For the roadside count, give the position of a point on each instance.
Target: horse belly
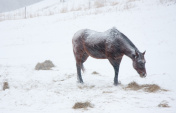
(96, 50)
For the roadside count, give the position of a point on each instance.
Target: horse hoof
(80, 82)
(115, 84)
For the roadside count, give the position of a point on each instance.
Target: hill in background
(9, 5)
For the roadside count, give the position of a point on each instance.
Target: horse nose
(143, 75)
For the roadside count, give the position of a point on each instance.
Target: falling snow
(150, 25)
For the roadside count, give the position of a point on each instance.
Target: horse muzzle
(143, 75)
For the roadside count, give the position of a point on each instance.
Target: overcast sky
(9, 5)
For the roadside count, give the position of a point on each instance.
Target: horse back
(97, 44)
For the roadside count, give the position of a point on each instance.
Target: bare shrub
(114, 3)
(5, 85)
(46, 65)
(76, 9)
(99, 3)
(64, 10)
(128, 6)
(84, 105)
(163, 104)
(147, 87)
(97, 11)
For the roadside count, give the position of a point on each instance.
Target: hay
(84, 105)
(95, 73)
(133, 86)
(151, 88)
(46, 65)
(146, 87)
(5, 85)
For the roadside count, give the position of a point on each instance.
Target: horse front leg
(116, 65)
(79, 77)
(116, 69)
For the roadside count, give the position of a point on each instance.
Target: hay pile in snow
(95, 73)
(84, 105)
(146, 87)
(46, 65)
(5, 85)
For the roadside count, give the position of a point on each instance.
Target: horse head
(139, 63)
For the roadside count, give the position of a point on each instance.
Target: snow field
(26, 42)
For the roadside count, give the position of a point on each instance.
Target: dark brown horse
(111, 45)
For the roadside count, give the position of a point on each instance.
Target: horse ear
(137, 54)
(144, 52)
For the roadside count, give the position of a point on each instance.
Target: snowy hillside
(77, 8)
(150, 25)
(10, 5)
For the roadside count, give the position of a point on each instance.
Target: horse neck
(129, 51)
(129, 48)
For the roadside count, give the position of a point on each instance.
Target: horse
(111, 45)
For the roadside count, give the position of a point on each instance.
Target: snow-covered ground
(26, 42)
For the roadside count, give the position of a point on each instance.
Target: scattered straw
(86, 86)
(107, 92)
(84, 105)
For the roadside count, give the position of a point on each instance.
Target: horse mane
(129, 41)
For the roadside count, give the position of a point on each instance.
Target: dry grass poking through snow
(5, 85)
(163, 104)
(46, 65)
(99, 3)
(114, 3)
(152, 88)
(64, 10)
(84, 105)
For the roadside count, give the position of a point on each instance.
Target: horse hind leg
(79, 77)
(80, 59)
(84, 58)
